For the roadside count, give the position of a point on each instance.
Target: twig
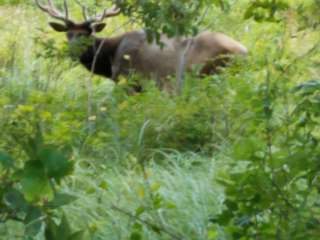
(182, 63)
(147, 223)
(89, 79)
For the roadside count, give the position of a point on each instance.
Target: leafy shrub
(235, 156)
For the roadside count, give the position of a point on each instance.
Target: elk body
(131, 51)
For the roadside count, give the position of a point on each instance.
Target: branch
(151, 225)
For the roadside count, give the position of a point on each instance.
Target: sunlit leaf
(34, 182)
(140, 210)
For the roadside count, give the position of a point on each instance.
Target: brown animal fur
(206, 49)
(132, 52)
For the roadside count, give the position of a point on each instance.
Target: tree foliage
(174, 18)
(235, 156)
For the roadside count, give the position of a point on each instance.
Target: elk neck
(100, 54)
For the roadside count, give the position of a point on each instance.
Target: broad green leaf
(15, 200)
(56, 165)
(34, 182)
(33, 221)
(61, 231)
(51, 230)
(61, 199)
(64, 229)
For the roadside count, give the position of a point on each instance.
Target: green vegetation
(234, 156)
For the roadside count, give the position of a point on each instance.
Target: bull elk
(131, 51)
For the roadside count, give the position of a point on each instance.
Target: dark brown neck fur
(104, 58)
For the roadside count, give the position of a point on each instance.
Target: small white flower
(103, 109)
(126, 57)
(92, 118)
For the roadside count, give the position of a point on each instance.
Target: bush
(235, 156)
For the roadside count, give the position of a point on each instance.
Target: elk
(131, 51)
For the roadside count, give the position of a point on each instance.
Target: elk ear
(98, 27)
(58, 27)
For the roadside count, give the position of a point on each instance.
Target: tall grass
(190, 197)
(153, 163)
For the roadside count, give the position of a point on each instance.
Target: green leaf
(308, 87)
(171, 205)
(33, 221)
(61, 199)
(135, 236)
(140, 210)
(156, 229)
(5, 160)
(138, 227)
(15, 200)
(55, 163)
(35, 184)
(64, 229)
(79, 235)
(157, 201)
(104, 185)
(212, 234)
(224, 218)
(51, 230)
(61, 231)
(246, 148)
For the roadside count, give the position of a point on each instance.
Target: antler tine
(84, 10)
(85, 13)
(53, 12)
(113, 11)
(66, 9)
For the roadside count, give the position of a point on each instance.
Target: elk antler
(84, 10)
(113, 11)
(53, 12)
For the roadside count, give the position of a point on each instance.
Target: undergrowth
(235, 156)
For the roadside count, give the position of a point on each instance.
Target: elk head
(75, 31)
